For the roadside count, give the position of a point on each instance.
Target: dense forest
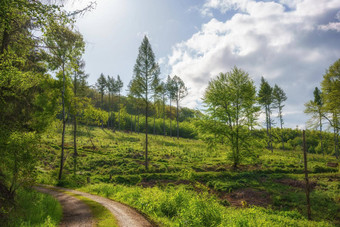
(218, 166)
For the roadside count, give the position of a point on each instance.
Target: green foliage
(230, 99)
(331, 89)
(93, 116)
(145, 71)
(35, 209)
(101, 86)
(18, 159)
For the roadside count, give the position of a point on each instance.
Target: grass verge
(177, 206)
(34, 209)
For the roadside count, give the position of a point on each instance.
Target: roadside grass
(35, 209)
(178, 206)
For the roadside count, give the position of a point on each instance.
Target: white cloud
(330, 26)
(265, 39)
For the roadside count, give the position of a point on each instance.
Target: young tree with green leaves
(133, 99)
(330, 86)
(171, 94)
(65, 46)
(79, 86)
(315, 109)
(145, 71)
(265, 97)
(162, 92)
(227, 98)
(119, 86)
(155, 90)
(180, 92)
(101, 86)
(279, 96)
(112, 89)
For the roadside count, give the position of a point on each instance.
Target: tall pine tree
(180, 92)
(265, 96)
(145, 72)
(279, 96)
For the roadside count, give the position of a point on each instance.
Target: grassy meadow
(190, 183)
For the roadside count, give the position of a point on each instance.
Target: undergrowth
(34, 209)
(177, 206)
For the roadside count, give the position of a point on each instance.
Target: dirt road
(126, 216)
(75, 212)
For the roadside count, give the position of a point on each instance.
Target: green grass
(178, 206)
(122, 154)
(35, 209)
(118, 159)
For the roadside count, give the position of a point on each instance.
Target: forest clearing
(204, 135)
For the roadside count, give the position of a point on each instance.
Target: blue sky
(288, 42)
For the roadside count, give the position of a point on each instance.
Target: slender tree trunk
(154, 125)
(164, 115)
(237, 158)
(306, 176)
(267, 127)
(108, 122)
(75, 152)
(5, 40)
(102, 104)
(270, 131)
(170, 120)
(320, 121)
(154, 118)
(336, 142)
(336, 135)
(119, 110)
(131, 124)
(64, 123)
(177, 120)
(135, 123)
(138, 122)
(281, 122)
(146, 134)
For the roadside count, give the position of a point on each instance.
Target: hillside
(188, 179)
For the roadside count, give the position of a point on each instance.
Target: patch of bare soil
(75, 212)
(296, 183)
(332, 164)
(247, 196)
(153, 183)
(226, 167)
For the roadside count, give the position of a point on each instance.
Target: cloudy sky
(288, 42)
